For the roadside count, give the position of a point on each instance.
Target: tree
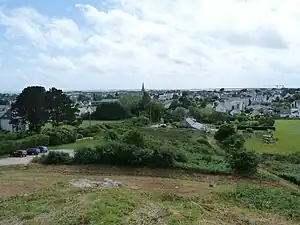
(179, 113)
(154, 111)
(175, 96)
(60, 108)
(110, 111)
(30, 108)
(146, 99)
(222, 89)
(130, 103)
(243, 162)
(224, 132)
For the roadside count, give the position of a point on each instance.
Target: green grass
(271, 200)
(287, 132)
(141, 200)
(78, 144)
(86, 123)
(285, 170)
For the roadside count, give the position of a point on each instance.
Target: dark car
(19, 153)
(43, 149)
(33, 151)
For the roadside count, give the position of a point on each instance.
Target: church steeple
(143, 87)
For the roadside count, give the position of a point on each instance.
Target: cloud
(167, 44)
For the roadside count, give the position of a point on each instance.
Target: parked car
(33, 151)
(43, 149)
(19, 153)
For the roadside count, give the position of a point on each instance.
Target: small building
(5, 124)
(285, 113)
(192, 123)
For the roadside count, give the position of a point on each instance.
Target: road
(26, 160)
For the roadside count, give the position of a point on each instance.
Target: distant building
(5, 118)
(192, 123)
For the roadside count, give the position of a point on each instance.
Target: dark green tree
(110, 111)
(224, 132)
(146, 99)
(60, 108)
(29, 107)
(154, 111)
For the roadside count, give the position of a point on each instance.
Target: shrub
(134, 137)
(61, 135)
(141, 121)
(256, 128)
(111, 136)
(56, 158)
(86, 156)
(249, 130)
(118, 153)
(294, 178)
(241, 161)
(292, 158)
(233, 141)
(224, 132)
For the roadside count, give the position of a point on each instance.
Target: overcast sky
(117, 44)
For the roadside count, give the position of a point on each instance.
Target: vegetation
(9, 146)
(141, 200)
(35, 106)
(268, 200)
(287, 133)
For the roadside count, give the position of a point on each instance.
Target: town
(231, 144)
(276, 102)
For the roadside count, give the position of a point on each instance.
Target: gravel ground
(27, 159)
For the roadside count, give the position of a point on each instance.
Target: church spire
(143, 87)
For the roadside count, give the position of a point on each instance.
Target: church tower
(143, 88)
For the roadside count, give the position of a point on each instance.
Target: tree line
(37, 106)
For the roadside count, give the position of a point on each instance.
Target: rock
(106, 183)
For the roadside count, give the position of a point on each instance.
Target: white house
(5, 117)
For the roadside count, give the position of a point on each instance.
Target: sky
(168, 44)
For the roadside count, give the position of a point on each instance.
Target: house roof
(194, 124)
(3, 110)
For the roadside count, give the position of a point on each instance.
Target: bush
(56, 158)
(141, 121)
(294, 178)
(134, 137)
(122, 154)
(61, 135)
(233, 141)
(91, 131)
(256, 127)
(111, 136)
(242, 162)
(224, 132)
(292, 158)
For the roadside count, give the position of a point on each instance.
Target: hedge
(256, 127)
(292, 158)
(9, 146)
(122, 154)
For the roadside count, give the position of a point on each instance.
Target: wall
(4, 125)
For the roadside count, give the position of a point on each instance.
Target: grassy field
(86, 123)
(288, 134)
(78, 144)
(27, 196)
